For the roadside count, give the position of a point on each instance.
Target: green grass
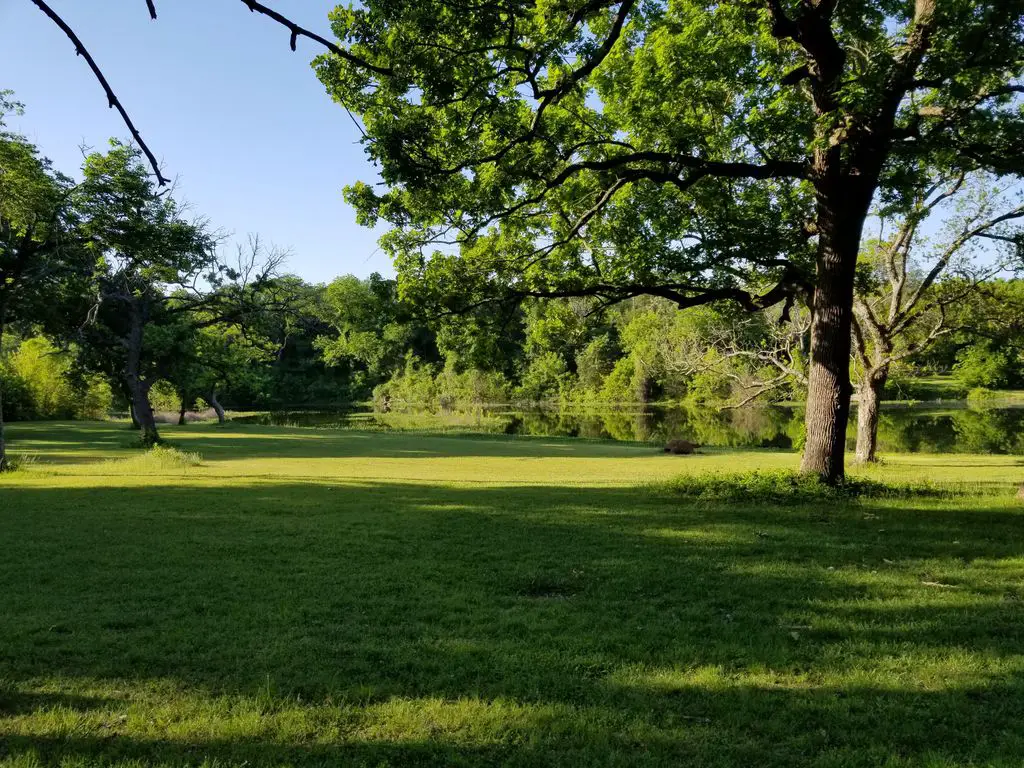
(315, 597)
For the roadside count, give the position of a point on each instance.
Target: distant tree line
(114, 297)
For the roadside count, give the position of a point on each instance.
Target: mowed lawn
(308, 597)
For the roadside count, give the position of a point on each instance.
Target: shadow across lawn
(741, 726)
(632, 628)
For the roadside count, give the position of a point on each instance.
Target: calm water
(929, 429)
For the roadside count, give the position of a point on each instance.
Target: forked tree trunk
(842, 209)
(869, 395)
(217, 406)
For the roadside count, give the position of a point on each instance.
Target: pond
(923, 428)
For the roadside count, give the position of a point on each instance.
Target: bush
(413, 385)
(595, 362)
(981, 394)
(38, 383)
(164, 397)
(617, 386)
(982, 365)
(96, 400)
(45, 371)
(18, 403)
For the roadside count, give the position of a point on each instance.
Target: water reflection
(902, 429)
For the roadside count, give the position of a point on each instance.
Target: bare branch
(297, 31)
(112, 99)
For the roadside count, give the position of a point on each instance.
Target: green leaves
(553, 148)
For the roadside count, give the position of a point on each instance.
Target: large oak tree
(690, 150)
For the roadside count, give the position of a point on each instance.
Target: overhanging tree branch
(112, 99)
(297, 32)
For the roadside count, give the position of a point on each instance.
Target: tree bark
(138, 387)
(144, 413)
(842, 207)
(131, 412)
(217, 406)
(869, 395)
(181, 415)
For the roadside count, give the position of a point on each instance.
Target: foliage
(373, 329)
(986, 365)
(546, 378)
(41, 382)
(163, 396)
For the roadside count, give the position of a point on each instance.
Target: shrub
(164, 397)
(96, 400)
(982, 365)
(38, 383)
(44, 369)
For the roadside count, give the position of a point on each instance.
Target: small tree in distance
(912, 285)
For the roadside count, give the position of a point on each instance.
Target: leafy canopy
(620, 147)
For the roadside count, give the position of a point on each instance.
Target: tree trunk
(144, 413)
(217, 406)
(842, 209)
(869, 394)
(131, 412)
(138, 388)
(181, 415)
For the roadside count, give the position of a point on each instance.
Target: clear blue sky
(237, 119)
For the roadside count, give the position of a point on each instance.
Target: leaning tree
(695, 151)
(153, 265)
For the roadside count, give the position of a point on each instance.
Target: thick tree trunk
(217, 407)
(131, 412)
(138, 388)
(869, 395)
(181, 415)
(842, 209)
(144, 413)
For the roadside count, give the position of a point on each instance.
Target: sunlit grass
(311, 597)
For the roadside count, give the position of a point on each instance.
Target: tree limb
(112, 99)
(297, 32)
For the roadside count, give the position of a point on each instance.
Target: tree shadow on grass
(606, 604)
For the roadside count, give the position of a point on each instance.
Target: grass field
(307, 597)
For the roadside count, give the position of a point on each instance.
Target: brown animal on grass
(681, 447)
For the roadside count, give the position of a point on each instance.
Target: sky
(238, 121)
